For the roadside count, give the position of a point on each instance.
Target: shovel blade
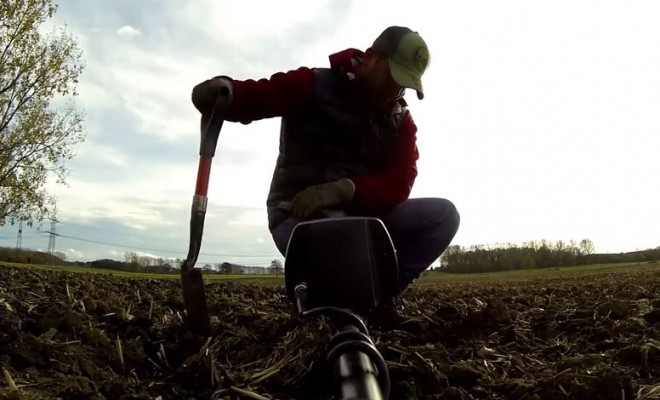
(194, 298)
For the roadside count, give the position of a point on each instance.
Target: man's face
(382, 88)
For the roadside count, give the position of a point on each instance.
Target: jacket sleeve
(377, 193)
(267, 98)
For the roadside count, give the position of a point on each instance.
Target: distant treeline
(132, 263)
(535, 254)
(456, 259)
(21, 256)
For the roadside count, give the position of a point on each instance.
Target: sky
(540, 119)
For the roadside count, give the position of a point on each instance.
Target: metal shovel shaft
(192, 283)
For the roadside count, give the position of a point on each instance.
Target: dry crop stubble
(70, 335)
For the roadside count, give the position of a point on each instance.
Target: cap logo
(420, 57)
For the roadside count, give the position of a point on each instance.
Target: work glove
(316, 198)
(205, 94)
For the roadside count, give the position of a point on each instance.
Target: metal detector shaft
(360, 371)
(192, 284)
(354, 370)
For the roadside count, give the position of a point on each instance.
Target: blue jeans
(421, 229)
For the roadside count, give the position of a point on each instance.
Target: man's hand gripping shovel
(192, 284)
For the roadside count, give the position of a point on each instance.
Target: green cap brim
(407, 78)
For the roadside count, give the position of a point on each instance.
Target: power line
(53, 234)
(151, 237)
(23, 235)
(202, 259)
(163, 250)
(92, 228)
(202, 254)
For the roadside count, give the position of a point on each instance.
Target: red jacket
(375, 193)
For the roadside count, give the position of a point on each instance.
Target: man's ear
(370, 58)
(370, 54)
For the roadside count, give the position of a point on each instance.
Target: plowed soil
(580, 336)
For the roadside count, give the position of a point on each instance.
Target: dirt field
(587, 336)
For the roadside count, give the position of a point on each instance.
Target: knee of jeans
(279, 243)
(281, 235)
(447, 212)
(453, 216)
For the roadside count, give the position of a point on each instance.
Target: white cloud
(73, 254)
(227, 20)
(128, 31)
(137, 227)
(248, 217)
(149, 255)
(109, 154)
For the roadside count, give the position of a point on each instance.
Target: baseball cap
(408, 56)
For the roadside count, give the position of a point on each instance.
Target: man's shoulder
(328, 81)
(327, 73)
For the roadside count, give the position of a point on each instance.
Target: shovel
(192, 284)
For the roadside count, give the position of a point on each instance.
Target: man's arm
(266, 98)
(379, 192)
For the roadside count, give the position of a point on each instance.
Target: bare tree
(276, 267)
(37, 135)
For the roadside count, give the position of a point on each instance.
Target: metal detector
(340, 268)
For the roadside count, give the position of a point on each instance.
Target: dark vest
(332, 136)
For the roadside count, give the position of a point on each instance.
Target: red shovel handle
(203, 175)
